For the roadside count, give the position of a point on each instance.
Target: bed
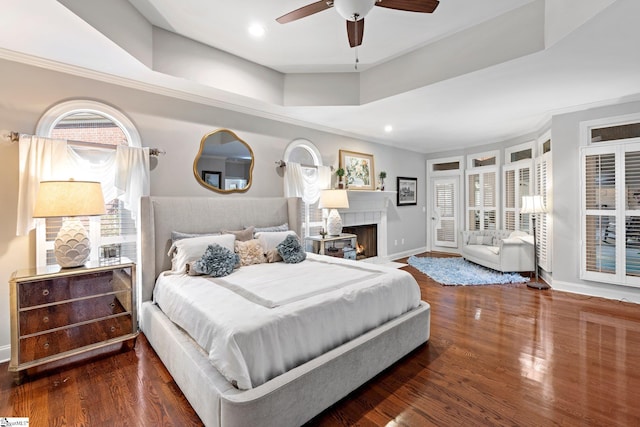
(294, 396)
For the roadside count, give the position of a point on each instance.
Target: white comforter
(265, 319)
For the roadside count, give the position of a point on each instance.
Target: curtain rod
(12, 136)
(283, 164)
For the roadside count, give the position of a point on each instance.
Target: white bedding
(265, 319)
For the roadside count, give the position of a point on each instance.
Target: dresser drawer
(67, 287)
(63, 314)
(60, 341)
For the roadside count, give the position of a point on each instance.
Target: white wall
(177, 127)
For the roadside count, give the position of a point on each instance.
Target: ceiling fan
(354, 12)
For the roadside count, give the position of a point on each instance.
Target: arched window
(93, 130)
(303, 151)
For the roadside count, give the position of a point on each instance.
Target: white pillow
(270, 239)
(191, 249)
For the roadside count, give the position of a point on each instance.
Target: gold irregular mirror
(224, 162)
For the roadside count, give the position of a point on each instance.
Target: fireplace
(368, 210)
(367, 241)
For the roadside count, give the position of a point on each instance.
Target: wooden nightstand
(59, 313)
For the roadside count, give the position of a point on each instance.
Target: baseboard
(603, 290)
(405, 254)
(5, 353)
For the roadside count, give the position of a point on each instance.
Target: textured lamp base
(334, 223)
(72, 246)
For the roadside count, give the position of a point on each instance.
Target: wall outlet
(395, 242)
(402, 241)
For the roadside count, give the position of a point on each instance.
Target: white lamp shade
(69, 198)
(532, 205)
(333, 199)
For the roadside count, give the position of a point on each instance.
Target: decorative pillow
(217, 261)
(272, 255)
(178, 235)
(250, 252)
(241, 235)
(291, 251)
(487, 240)
(270, 239)
(190, 249)
(281, 227)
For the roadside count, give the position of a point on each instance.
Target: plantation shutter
(543, 224)
(482, 200)
(518, 182)
(611, 213)
(446, 209)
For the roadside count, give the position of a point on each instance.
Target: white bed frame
(292, 398)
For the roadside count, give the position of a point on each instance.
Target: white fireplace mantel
(369, 207)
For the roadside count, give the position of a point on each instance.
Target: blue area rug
(458, 271)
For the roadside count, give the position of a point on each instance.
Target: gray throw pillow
(291, 251)
(217, 261)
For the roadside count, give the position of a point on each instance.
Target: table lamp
(69, 200)
(334, 200)
(533, 205)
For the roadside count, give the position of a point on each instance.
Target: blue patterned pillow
(290, 250)
(217, 261)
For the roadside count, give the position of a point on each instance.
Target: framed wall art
(212, 178)
(407, 191)
(359, 170)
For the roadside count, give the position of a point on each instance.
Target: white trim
(432, 162)
(587, 126)
(405, 254)
(546, 136)
(517, 148)
(475, 156)
(53, 115)
(603, 290)
(5, 353)
(305, 144)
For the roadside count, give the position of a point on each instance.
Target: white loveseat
(501, 250)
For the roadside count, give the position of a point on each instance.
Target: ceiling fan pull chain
(357, 60)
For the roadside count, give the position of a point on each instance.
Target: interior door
(444, 218)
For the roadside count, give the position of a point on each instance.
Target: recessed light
(256, 30)
(388, 128)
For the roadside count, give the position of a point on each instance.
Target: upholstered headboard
(159, 216)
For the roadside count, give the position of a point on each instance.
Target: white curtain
(133, 178)
(306, 183)
(41, 159)
(123, 173)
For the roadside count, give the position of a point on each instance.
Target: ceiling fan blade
(422, 6)
(305, 11)
(355, 31)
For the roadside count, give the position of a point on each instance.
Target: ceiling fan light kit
(354, 11)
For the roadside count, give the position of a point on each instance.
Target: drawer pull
(113, 329)
(45, 319)
(46, 345)
(45, 292)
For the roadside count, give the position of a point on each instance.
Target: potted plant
(382, 175)
(340, 175)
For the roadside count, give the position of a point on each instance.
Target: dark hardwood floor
(498, 355)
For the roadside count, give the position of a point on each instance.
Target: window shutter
(543, 225)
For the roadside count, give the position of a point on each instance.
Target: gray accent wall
(176, 126)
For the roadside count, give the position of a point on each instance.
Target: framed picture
(358, 170)
(212, 178)
(407, 191)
